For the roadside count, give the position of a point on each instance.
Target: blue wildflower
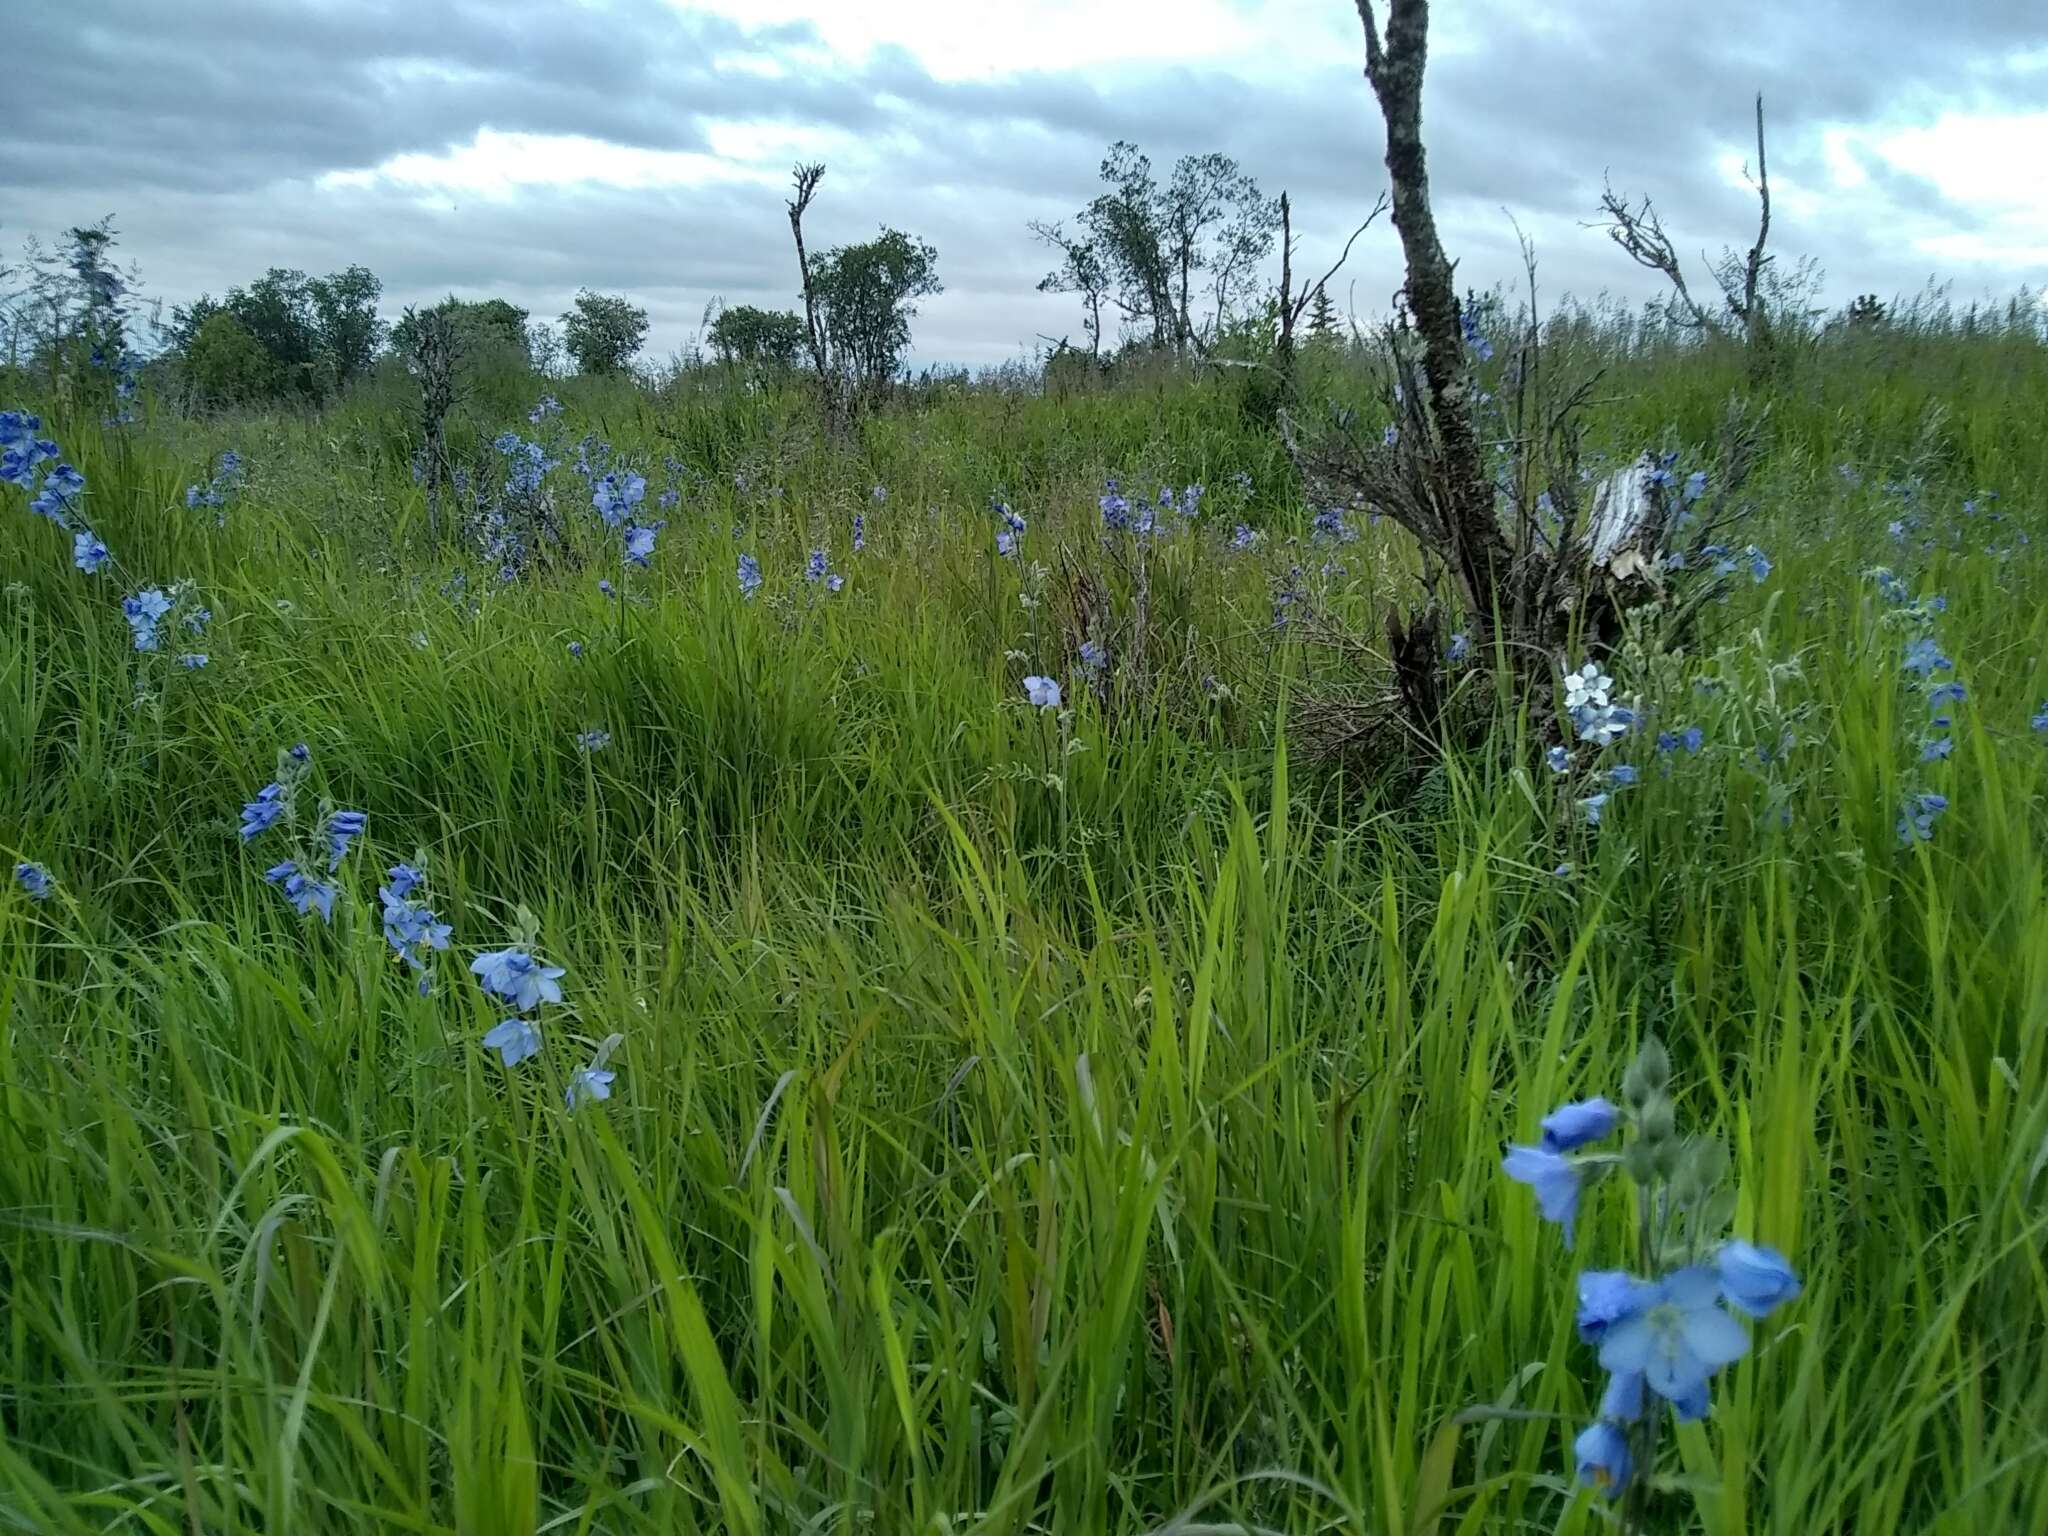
(192, 661)
(1622, 775)
(750, 576)
(410, 928)
(1601, 1452)
(61, 486)
(576, 649)
(1687, 740)
(1093, 657)
(860, 532)
(35, 880)
(144, 611)
(1606, 1295)
(1946, 693)
(879, 492)
(1558, 759)
(1043, 692)
(1923, 657)
(1753, 1279)
(1916, 823)
(518, 978)
(264, 812)
(1459, 650)
(1676, 1337)
(1936, 748)
(615, 496)
(514, 1040)
(404, 879)
(595, 1083)
(1695, 485)
(87, 552)
(1116, 511)
(1244, 538)
(594, 741)
(816, 566)
(2040, 720)
(1555, 1179)
(1573, 1125)
(343, 828)
(1593, 806)
(1006, 544)
(306, 894)
(640, 543)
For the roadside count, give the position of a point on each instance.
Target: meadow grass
(1080, 1121)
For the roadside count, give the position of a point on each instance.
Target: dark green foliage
(744, 333)
(866, 295)
(603, 332)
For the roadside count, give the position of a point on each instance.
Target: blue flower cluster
(54, 492)
(275, 804)
(34, 880)
(219, 488)
(410, 927)
(1664, 1334)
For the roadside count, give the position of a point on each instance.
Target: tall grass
(1024, 1122)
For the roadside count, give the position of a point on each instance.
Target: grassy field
(1079, 1120)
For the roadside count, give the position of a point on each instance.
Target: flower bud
(1657, 1124)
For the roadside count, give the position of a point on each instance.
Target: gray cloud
(205, 128)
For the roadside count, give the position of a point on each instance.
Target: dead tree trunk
(1478, 553)
(807, 179)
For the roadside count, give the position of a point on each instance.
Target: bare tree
(1473, 545)
(1081, 270)
(1294, 304)
(807, 178)
(1745, 290)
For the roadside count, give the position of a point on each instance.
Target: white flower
(1587, 686)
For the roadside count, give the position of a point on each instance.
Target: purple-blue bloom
(1755, 1280)
(1555, 1179)
(87, 552)
(35, 880)
(1601, 1452)
(640, 543)
(750, 576)
(262, 813)
(1676, 1337)
(1573, 1125)
(1043, 692)
(343, 827)
(517, 978)
(144, 611)
(593, 1083)
(514, 1040)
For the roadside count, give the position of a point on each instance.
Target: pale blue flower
(640, 543)
(263, 813)
(1043, 692)
(593, 1083)
(594, 740)
(1573, 1125)
(404, 878)
(144, 611)
(816, 566)
(518, 978)
(1923, 656)
(1006, 544)
(1459, 649)
(1554, 1178)
(1622, 775)
(750, 576)
(1558, 759)
(1676, 1337)
(1604, 1296)
(1753, 1279)
(1937, 748)
(1593, 806)
(1245, 537)
(1601, 1452)
(1093, 657)
(87, 552)
(192, 661)
(514, 1040)
(35, 880)
(343, 828)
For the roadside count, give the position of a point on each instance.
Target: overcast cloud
(524, 148)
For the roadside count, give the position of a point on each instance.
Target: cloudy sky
(523, 148)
